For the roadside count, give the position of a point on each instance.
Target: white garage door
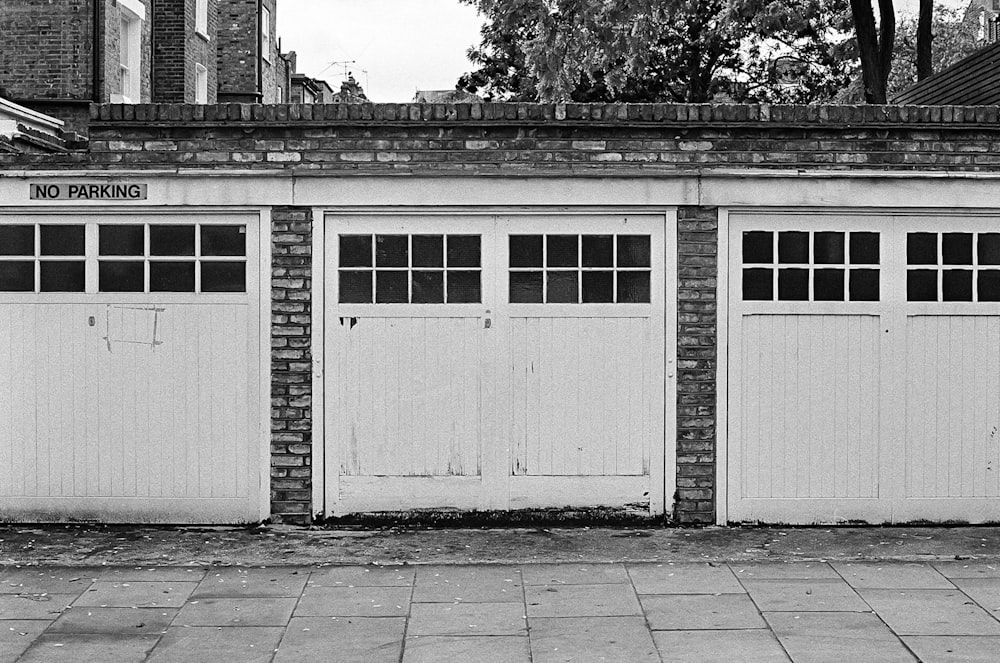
(864, 368)
(486, 362)
(129, 368)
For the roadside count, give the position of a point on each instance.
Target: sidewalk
(744, 595)
(543, 613)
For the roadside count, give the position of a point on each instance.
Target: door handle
(488, 322)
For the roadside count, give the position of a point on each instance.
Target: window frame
(265, 34)
(132, 15)
(200, 83)
(201, 18)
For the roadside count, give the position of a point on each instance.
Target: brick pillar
(697, 362)
(291, 365)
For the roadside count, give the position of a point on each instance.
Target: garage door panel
(410, 396)
(809, 429)
(952, 406)
(581, 390)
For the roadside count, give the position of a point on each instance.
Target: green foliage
(953, 40)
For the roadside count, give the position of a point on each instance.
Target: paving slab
(684, 579)
(984, 591)
(591, 639)
(49, 581)
(751, 646)
(581, 600)
(835, 637)
(362, 576)
(34, 606)
(76, 647)
(892, 576)
(16, 635)
(689, 612)
(354, 602)
(114, 621)
(438, 649)
(252, 582)
(467, 619)
(954, 648)
(148, 573)
(211, 644)
(476, 584)
(353, 639)
(784, 570)
(236, 612)
(137, 594)
(930, 612)
(573, 574)
(968, 569)
(797, 595)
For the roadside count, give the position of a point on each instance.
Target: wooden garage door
(129, 369)
(862, 368)
(485, 362)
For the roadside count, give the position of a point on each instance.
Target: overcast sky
(399, 46)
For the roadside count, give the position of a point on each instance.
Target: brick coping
(719, 115)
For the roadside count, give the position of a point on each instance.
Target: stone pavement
(753, 612)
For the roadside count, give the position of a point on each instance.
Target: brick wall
(697, 360)
(238, 51)
(522, 139)
(179, 47)
(291, 365)
(47, 49)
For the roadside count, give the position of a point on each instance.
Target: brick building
(59, 56)
(693, 312)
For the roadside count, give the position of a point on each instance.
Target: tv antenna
(346, 70)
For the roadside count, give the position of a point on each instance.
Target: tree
(679, 50)
(874, 46)
(924, 36)
(953, 40)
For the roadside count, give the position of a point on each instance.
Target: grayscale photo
(500, 331)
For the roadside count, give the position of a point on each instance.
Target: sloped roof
(973, 81)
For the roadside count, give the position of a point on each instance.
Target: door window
(952, 267)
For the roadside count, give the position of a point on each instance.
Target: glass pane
(428, 287)
(17, 240)
(864, 248)
(120, 276)
(793, 247)
(428, 251)
(223, 277)
(223, 241)
(356, 251)
(463, 251)
(758, 285)
(828, 285)
(62, 240)
(17, 276)
(391, 287)
(122, 240)
(563, 288)
(956, 248)
(561, 250)
(921, 249)
(525, 251)
(171, 240)
(633, 251)
(793, 284)
(989, 286)
(828, 248)
(391, 251)
(598, 251)
(956, 285)
(63, 276)
(989, 249)
(355, 287)
(525, 287)
(921, 285)
(171, 276)
(864, 285)
(633, 287)
(758, 247)
(598, 286)
(463, 288)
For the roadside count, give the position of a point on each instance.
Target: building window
(131, 15)
(281, 95)
(201, 17)
(200, 84)
(265, 33)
